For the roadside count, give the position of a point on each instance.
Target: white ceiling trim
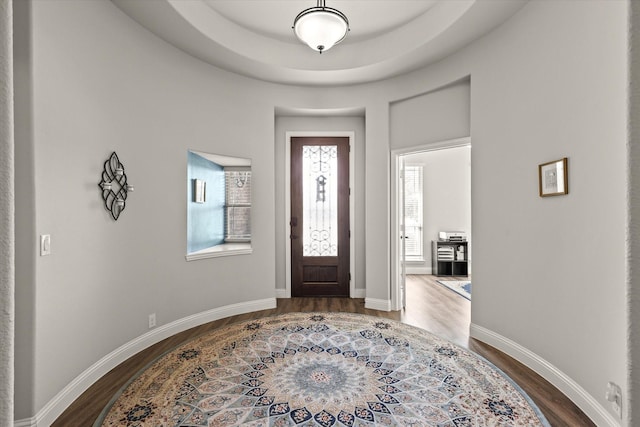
(195, 27)
(249, 44)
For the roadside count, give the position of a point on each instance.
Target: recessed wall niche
(218, 205)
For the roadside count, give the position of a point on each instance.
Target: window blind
(237, 205)
(413, 211)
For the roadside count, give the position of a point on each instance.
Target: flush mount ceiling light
(321, 27)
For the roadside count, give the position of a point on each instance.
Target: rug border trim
(453, 290)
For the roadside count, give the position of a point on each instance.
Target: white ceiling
(254, 37)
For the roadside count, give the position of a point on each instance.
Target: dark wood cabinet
(449, 258)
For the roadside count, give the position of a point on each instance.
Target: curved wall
(7, 222)
(539, 91)
(561, 290)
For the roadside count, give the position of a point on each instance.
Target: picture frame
(199, 191)
(553, 178)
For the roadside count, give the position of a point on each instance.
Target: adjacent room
(437, 273)
(201, 224)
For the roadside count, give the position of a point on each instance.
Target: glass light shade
(321, 28)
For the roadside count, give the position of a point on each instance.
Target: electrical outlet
(152, 320)
(614, 395)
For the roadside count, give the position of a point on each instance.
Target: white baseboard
(359, 293)
(281, 293)
(56, 406)
(578, 395)
(377, 304)
(418, 270)
(27, 422)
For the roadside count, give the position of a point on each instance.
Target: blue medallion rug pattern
(321, 369)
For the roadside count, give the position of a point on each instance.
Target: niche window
(238, 205)
(218, 205)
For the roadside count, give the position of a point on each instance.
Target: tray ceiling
(254, 37)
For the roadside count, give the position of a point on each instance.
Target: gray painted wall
(26, 244)
(542, 92)
(549, 83)
(435, 116)
(633, 236)
(101, 83)
(7, 217)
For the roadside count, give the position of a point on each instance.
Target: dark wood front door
(319, 216)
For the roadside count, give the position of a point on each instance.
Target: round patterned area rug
(321, 369)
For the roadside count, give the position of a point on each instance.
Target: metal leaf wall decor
(114, 186)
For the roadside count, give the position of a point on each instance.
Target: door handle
(293, 236)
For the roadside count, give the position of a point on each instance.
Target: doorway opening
(438, 200)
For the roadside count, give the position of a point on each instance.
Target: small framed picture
(553, 178)
(199, 191)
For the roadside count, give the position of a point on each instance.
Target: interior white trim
(224, 249)
(56, 406)
(26, 422)
(578, 395)
(396, 262)
(417, 270)
(377, 304)
(352, 202)
(359, 293)
(198, 29)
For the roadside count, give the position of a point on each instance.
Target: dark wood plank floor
(430, 306)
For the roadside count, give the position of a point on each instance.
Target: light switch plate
(45, 244)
